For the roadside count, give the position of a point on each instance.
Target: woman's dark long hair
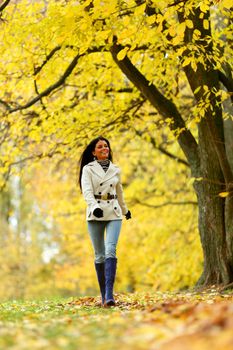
(87, 156)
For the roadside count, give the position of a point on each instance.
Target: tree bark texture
(217, 265)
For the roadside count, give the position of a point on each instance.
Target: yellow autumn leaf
(151, 19)
(227, 4)
(186, 61)
(177, 39)
(223, 194)
(204, 7)
(193, 65)
(172, 31)
(206, 24)
(121, 54)
(197, 89)
(103, 35)
(140, 9)
(181, 28)
(196, 34)
(189, 23)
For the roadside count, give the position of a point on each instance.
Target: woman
(100, 184)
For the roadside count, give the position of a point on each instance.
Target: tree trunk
(215, 213)
(217, 265)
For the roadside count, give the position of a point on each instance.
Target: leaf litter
(140, 321)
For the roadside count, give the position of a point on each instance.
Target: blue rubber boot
(110, 273)
(100, 271)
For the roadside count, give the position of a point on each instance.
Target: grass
(139, 322)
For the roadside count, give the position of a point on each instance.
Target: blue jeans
(104, 248)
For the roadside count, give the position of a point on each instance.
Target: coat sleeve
(120, 196)
(87, 189)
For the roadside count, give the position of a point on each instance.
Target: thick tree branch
(4, 5)
(52, 87)
(165, 107)
(227, 82)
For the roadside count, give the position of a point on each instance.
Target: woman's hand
(128, 215)
(98, 213)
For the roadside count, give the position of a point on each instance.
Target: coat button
(115, 208)
(110, 185)
(99, 192)
(98, 201)
(101, 184)
(108, 201)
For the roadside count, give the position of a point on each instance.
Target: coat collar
(98, 170)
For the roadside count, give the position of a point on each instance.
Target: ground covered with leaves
(176, 321)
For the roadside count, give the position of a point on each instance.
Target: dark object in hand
(128, 215)
(98, 213)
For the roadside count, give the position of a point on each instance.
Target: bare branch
(172, 156)
(162, 149)
(137, 201)
(134, 106)
(167, 153)
(128, 89)
(48, 57)
(5, 104)
(38, 93)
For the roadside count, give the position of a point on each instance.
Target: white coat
(95, 181)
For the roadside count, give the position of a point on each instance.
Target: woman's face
(101, 151)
